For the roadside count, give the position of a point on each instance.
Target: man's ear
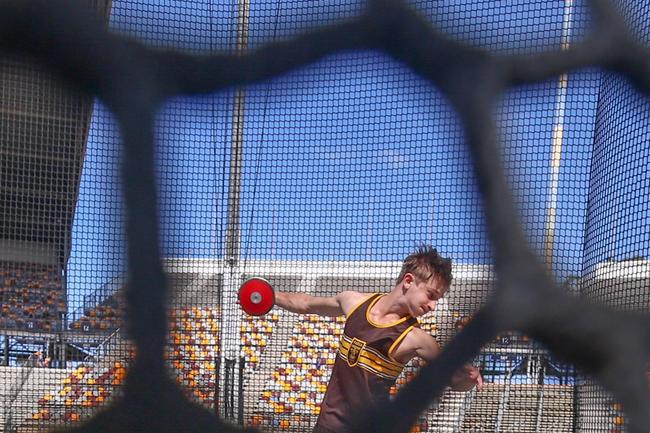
(407, 280)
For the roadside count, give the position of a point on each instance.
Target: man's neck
(389, 308)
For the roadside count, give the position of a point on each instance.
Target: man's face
(423, 295)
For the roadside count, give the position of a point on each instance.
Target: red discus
(256, 296)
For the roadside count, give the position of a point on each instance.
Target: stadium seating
(256, 333)
(86, 388)
(31, 295)
(193, 350)
(194, 347)
(298, 382)
(193, 341)
(518, 410)
(290, 399)
(618, 417)
(191, 353)
(107, 316)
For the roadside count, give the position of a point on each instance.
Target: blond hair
(425, 263)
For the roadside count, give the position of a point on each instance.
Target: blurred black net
(316, 144)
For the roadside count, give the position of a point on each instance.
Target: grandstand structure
(65, 352)
(285, 358)
(44, 124)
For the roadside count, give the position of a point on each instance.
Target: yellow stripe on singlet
(371, 360)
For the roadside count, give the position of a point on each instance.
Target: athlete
(381, 335)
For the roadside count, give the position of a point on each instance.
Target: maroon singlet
(364, 369)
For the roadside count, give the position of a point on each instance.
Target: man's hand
(467, 378)
(474, 375)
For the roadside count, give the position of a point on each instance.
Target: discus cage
(320, 179)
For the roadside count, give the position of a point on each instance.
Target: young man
(381, 335)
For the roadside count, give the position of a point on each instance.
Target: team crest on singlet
(356, 346)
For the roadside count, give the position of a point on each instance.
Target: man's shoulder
(352, 296)
(350, 299)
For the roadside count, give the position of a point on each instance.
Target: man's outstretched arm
(302, 303)
(330, 306)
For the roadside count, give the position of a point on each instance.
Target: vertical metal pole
(541, 372)
(227, 391)
(217, 369)
(240, 393)
(5, 360)
(468, 398)
(558, 137)
(63, 274)
(503, 401)
(232, 275)
(571, 378)
(63, 360)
